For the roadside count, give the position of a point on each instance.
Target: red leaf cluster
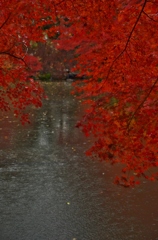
(116, 44)
(20, 23)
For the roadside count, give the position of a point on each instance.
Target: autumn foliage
(19, 24)
(116, 48)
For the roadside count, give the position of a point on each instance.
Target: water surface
(49, 190)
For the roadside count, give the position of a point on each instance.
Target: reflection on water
(50, 191)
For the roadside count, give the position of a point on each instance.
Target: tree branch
(14, 56)
(59, 2)
(142, 103)
(136, 22)
(5, 21)
(149, 17)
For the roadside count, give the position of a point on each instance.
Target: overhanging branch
(128, 40)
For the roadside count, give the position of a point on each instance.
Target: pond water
(49, 190)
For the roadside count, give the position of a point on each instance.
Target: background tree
(54, 61)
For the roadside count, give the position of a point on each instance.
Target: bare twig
(150, 17)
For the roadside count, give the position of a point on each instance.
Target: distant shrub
(44, 77)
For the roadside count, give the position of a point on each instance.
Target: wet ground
(49, 190)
